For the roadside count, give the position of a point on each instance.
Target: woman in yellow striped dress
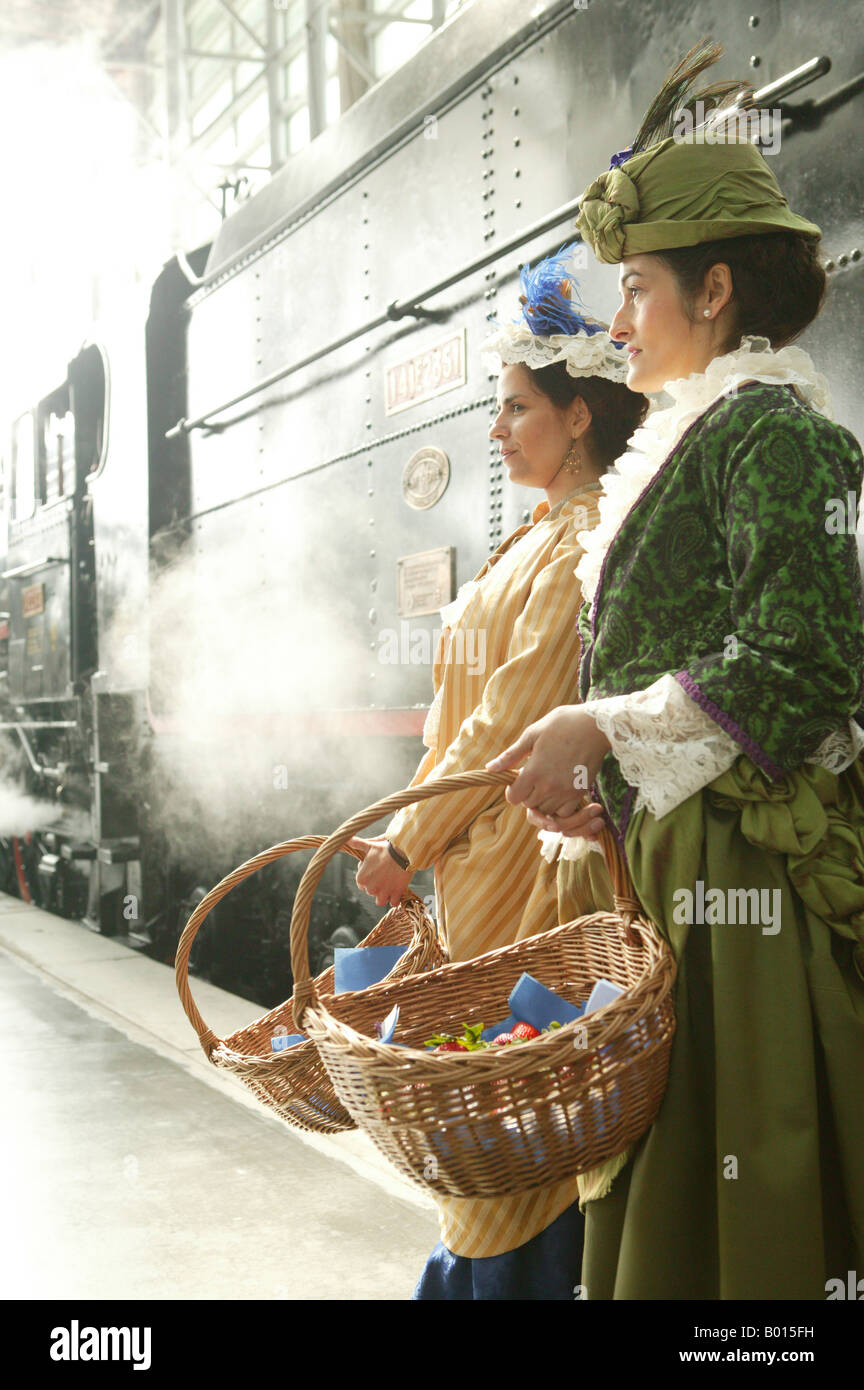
(563, 417)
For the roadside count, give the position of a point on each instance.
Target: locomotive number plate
(441, 368)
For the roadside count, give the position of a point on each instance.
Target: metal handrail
(398, 309)
(22, 570)
(774, 91)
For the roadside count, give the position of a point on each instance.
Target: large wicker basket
(294, 1082)
(500, 1121)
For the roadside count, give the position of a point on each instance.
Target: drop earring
(573, 459)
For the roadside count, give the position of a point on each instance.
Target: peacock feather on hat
(676, 95)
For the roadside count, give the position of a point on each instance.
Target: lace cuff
(839, 749)
(554, 845)
(668, 747)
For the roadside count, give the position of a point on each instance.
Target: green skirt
(750, 1183)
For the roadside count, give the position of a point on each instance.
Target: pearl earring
(707, 313)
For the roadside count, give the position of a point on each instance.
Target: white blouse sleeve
(669, 748)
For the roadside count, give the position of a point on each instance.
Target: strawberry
(451, 1047)
(525, 1030)
(502, 1039)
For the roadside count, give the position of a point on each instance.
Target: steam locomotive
(230, 528)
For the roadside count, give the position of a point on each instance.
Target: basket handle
(625, 899)
(206, 1037)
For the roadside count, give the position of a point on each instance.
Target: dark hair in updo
(778, 282)
(615, 411)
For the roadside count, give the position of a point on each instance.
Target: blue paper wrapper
(505, 1132)
(362, 966)
(531, 1002)
(602, 994)
(322, 1105)
(353, 968)
(387, 1027)
(280, 1042)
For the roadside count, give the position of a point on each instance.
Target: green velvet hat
(682, 191)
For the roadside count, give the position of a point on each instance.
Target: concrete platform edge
(195, 1063)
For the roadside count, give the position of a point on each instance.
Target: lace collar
(753, 360)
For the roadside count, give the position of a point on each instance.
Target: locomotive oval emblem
(425, 478)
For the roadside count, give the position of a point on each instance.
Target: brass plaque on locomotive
(424, 582)
(425, 478)
(32, 600)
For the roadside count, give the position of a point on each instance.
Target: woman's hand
(562, 754)
(379, 875)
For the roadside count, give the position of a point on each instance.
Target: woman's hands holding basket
(379, 875)
(561, 753)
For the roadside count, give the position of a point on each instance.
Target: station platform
(134, 1169)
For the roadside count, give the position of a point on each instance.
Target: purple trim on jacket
(687, 683)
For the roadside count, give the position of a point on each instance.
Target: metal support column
(274, 94)
(349, 25)
(178, 132)
(316, 64)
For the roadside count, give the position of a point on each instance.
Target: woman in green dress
(722, 663)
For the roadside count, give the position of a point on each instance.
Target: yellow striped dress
(492, 885)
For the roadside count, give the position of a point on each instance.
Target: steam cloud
(248, 647)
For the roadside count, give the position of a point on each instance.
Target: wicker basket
(294, 1082)
(494, 1122)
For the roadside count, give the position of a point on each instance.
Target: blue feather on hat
(548, 292)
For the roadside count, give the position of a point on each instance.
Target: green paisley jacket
(729, 538)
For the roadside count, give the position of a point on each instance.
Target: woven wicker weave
(501, 1121)
(294, 1082)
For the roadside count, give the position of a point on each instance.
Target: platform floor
(132, 1169)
